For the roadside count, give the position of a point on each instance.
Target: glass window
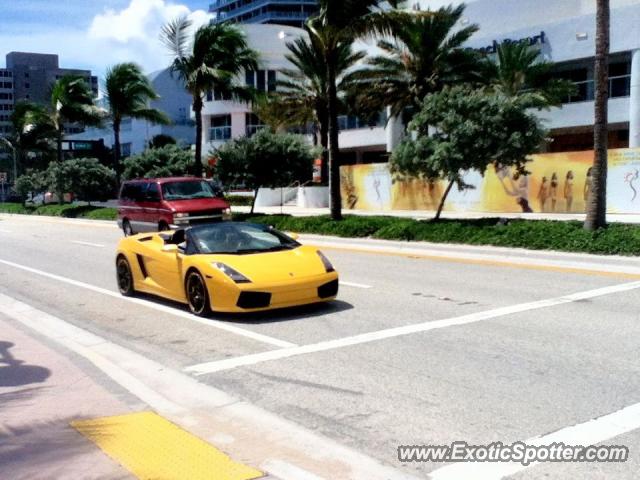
(239, 238)
(153, 193)
(187, 190)
(261, 80)
(271, 82)
(250, 78)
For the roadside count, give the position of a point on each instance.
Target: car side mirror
(170, 248)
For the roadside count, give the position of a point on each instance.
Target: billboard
(556, 183)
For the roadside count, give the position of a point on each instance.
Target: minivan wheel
(197, 294)
(126, 228)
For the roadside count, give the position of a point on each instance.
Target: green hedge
(65, 210)
(617, 239)
(239, 200)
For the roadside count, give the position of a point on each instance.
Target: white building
(564, 31)
(136, 134)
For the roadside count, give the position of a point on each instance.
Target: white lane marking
(89, 244)
(162, 308)
(219, 365)
(286, 471)
(187, 402)
(588, 433)
(4, 230)
(355, 285)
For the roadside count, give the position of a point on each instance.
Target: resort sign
(539, 39)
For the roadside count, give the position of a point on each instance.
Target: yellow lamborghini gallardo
(225, 267)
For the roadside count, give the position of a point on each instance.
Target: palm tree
(72, 101)
(212, 60)
(597, 205)
(303, 90)
(426, 54)
(31, 133)
(127, 93)
(517, 70)
(342, 22)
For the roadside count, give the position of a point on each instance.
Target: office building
(281, 12)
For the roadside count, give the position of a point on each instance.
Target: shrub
(167, 161)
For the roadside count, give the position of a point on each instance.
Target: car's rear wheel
(162, 226)
(126, 228)
(124, 276)
(197, 295)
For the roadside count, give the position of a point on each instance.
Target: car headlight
(230, 272)
(325, 261)
(180, 215)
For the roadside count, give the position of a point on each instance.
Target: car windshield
(187, 190)
(239, 239)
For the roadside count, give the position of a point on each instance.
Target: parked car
(158, 204)
(47, 198)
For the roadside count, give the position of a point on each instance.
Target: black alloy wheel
(125, 277)
(197, 295)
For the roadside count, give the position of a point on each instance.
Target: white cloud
(130, 34)
(141, 20)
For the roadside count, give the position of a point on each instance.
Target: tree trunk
(59, 144)
(443, 199)
(197, 109)
(116, 149)
(255, 197)
(597, 201)
(334, 149)
(324, 143)
(60, 158)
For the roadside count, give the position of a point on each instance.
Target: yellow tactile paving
(151, 447)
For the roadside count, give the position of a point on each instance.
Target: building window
(125, 149)
(250, 78)
(220, 128)
(271, 80)
(27, 85)
(254, 124)
(261, 83)
(209, 96)
(26, 74)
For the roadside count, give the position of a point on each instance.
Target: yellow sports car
(225, 267)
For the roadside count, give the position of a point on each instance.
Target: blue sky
(92, 34)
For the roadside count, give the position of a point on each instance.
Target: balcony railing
(350, 122)
(619, 86)
(219, 134)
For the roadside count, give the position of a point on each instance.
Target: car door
(151, 206)
(130, 204)
(162, 269)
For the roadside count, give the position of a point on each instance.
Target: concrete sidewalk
(41, 391)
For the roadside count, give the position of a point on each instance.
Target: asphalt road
(484, 357)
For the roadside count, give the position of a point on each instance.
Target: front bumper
(259, 297)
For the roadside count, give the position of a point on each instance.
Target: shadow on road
(15, 373)
(270, 316)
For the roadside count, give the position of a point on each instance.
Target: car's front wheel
(124, 276)
(197, 295)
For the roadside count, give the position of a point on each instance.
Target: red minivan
(153, 204)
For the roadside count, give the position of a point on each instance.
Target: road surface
(456, 344)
